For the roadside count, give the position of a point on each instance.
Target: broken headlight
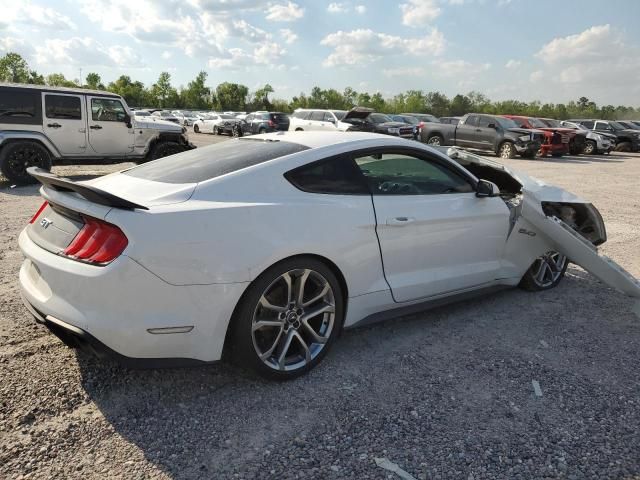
(584, 218)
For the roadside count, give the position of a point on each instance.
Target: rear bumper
(113, 308)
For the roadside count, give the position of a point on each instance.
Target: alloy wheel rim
(21, 159)
(434, 141)
(547, 269)
(505, 151)
(293, 320)
(588, 148)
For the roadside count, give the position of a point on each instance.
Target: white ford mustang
(268, 246)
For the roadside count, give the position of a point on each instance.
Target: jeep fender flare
(11, 136)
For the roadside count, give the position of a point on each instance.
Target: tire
(164, 149)
(623, 147)
(435, 140)
(196, 129)
(557, 155)
(299, 129)
(276, 351)
(545, 273)
(262, 130)
(507, 150)
(16, 157)
(590, 147)
(236, 131)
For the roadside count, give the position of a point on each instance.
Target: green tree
(134, 93)
(197, 94)
(59, 80)
(460, 104)
(162, 93)
(261, 98)
(14, 68)
(94, 82)
(231, 96)
(35, 78)
(349, 97)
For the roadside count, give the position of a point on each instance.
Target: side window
(484, 121)
(300, 115)
(20, 107)
(338, 176)
(107, 110)
(248, 118)
(328, 117)
(62, 106)
(472, 120)
(317, 116)
(265, 116)
(377, 118)
(402, 174)
(602, 126)
(588, 124)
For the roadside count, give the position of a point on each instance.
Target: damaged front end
(547, 218)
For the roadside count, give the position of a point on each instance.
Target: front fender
(7, 136)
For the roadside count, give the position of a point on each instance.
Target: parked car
(45, 126)
(411, 121)
(423, 117)
(450, 120)
(363, 119)
(141, 113)
(165, 115)
(186, 118)
(485, 132)
(219, 124)
(266, 122)
(304, 119)
(628, 124)
(595, 143)
(626, 139)
(556, 141)
(242, 225)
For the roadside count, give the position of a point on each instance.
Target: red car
(556, 141)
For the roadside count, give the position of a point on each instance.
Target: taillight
(37, 214)
(97, 242)
(272, 123)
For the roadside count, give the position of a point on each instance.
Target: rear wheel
(236, 131)
(288, 319)
(507, 150)
(546, 272)
(590, 147)
(164, 149)
(16, 157)
(262, 130)
(623, 147)
(435, 140)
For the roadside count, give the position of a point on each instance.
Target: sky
(547, 50)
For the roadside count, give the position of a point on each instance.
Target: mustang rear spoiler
(92, 194)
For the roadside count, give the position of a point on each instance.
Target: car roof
(323, 139)
(47, 88)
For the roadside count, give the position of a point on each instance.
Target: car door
(436, 237)
(466, 132)
(109, 133)
(486, 133)
(65, 122)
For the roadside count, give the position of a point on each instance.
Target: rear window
(301, 115)
(205, 163)
(20, 107)
(280, 117)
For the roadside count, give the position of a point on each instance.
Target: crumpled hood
(156, 124)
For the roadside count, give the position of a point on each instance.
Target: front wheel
(196, 129)
(16, 157)
(164, 149)
(546, 272)
(590, 147)
(507, 150)
(288, 319)
(435, 140)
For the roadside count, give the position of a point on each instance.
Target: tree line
(196, 95)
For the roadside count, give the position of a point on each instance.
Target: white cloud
(238, 58)
(361, 9)
(458, 68)
(596, 61)
(166, 55)
(513, 64)
(288, 36)
(16, 45)
(337, 8)
(364, 46)
(85, 51)
(288, 12)
(403, 72)
(27, 12)
(419, 13)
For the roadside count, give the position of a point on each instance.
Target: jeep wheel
(589, 148)
(507, 150)
(164, 149)
(196, 129)
(436, 140)
(16, 157)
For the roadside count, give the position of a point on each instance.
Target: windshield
(339, 114)
(189, 115)
(616, 126)
(552, 123)
(537, 123)
(506, 122)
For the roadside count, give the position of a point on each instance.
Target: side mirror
(485, 188)
(127, 120)
(491, 125)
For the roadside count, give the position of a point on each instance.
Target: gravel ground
(444, 394)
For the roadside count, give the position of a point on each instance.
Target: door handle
(400, 221)
(53, 125)
(95, 127)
